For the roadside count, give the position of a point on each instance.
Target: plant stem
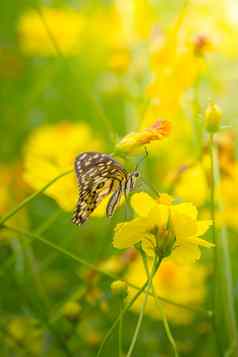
(154, 269)
(225, 318)
(123, 311)
(164, 318)
(34, 236)
(31, 197)
(120, 330)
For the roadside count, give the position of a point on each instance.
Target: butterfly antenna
(142, 159)
(151, 187)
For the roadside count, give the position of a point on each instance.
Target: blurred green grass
(35, 280)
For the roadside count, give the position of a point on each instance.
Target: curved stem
(138, 325)
(32, 236)
(154, 269)
(31, 197)
(164, 318)
(120, 331)
(123, 311)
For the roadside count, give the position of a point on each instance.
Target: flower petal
(142, 203)
(187, 209)
(201, 242)
(129, 233)
(159, 215)
(186, 254)
(202, 226)
(184, 225)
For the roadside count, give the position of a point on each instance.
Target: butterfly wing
(90, 197)
(98, 175)
(113, 202)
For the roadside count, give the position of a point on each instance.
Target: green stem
(218, 339)
(155, 267)
(28, 199)
(138, 325)
(120, 330)
(124, 310)
(33, 236)
(213, 204)
(164, 318)
(225, 318)
(40, 230)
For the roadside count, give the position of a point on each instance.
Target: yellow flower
(175, 67)
(192, 185)
(119, 60)
(221, 27)
(163, 229)
(64, 24)
(184, 284)
(12, 191)
(50, 151)
(136, 18)
(157, 131)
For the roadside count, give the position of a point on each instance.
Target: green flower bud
(119, 288)
(212, 118)
(71, 310)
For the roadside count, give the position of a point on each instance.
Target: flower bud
(119, 288)
(134, 140)
(202, 44)
(212, 118)
(16, 330)
(71, 310)
(165, 243)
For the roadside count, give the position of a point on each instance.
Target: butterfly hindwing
(91, 194)
(113, 202)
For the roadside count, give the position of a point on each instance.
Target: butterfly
(99, 175)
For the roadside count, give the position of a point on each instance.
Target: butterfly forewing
(98, 175)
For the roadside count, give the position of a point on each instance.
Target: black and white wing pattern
(98, 175)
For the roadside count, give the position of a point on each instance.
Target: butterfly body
(99, 175)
